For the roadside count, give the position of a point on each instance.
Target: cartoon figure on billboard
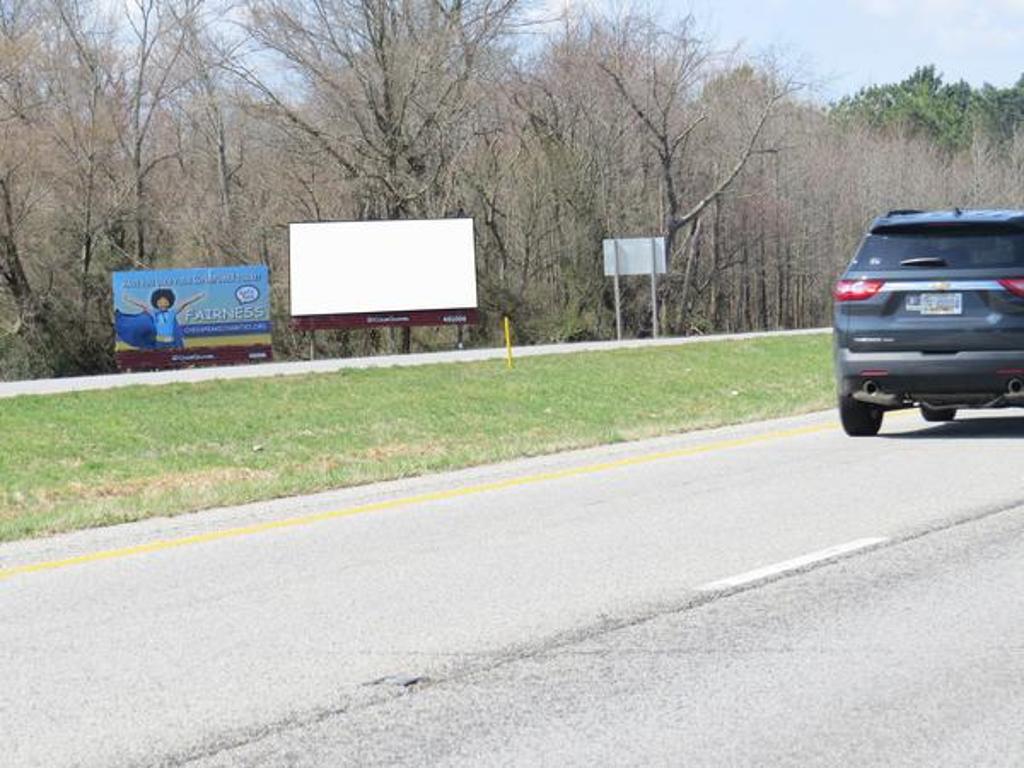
(157, 327)
(166, 318)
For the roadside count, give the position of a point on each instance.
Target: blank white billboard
(344, 267)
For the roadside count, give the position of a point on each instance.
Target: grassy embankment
(97, 458)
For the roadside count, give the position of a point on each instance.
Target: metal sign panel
(176, 318)
(634, 256)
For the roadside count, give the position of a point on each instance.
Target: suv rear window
(959, 251)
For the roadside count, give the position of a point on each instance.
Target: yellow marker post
(508, 342)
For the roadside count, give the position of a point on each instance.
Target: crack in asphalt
(557, 644)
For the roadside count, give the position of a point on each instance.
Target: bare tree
(390, 85)
(211, 133)
(82, 124)
(391, 89)
(658, 72)
(22, 99)
(150, 75)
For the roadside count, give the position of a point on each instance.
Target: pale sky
(847, 44)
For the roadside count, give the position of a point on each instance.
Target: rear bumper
(913, 374)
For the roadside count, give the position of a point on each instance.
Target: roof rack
(903, 212)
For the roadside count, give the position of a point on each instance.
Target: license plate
(941, 303)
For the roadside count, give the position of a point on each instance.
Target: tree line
(173, 133)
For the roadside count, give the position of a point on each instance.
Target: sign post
(654, 291)
(618, 304)
(635, 256)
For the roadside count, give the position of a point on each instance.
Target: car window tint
(886, 251)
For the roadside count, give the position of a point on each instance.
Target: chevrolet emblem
(940, 286)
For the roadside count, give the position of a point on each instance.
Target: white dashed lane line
(797, 563)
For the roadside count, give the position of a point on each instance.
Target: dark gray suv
(930, 313)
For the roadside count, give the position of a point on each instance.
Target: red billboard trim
(387, 319)
(193, 357)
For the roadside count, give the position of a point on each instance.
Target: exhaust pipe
(1014, 387)
(870, 392)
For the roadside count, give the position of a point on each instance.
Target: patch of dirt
(196, 481)
(386, 452)
(401, 451)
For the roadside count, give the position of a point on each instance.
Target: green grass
(97, 458)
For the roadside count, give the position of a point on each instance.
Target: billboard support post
(618, 305)
(654, 291)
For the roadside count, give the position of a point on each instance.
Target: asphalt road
(773, 594)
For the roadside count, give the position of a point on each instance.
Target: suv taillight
(857, 290)
(1014, 285)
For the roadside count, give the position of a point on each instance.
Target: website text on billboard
(177, 318)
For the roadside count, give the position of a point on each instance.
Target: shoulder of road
(389, 498)
(298, 368)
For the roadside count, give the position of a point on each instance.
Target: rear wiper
(924, 261)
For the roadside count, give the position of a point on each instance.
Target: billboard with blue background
(184, 317)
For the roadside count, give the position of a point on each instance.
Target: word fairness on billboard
(359, 274)
(180, 318)
(635, 256)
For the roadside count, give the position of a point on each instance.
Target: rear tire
(937, 414)
(859, 419)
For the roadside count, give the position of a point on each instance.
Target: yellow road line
(408, 501)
